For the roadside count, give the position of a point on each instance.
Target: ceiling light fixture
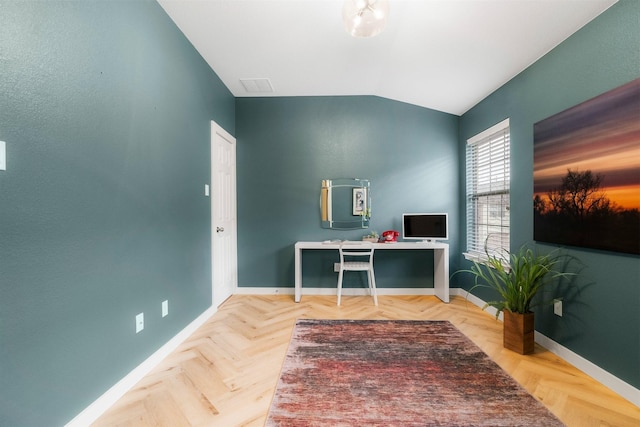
(365, 18)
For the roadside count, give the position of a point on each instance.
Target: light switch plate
(3, 156)
(206, 190)
(139, 322)
(165, 308)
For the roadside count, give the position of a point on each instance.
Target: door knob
(219, 229)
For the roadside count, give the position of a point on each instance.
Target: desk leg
(441, 273)
(298, 274)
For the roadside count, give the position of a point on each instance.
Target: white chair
(352, 251)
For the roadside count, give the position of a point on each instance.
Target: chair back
(355, 252)
(352, 251)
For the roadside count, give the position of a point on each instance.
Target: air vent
(257, 85)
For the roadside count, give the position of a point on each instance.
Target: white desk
(440, 262)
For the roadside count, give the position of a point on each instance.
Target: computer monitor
(427, 227)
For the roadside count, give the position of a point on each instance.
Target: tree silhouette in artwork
(578, 212)
(580, 196)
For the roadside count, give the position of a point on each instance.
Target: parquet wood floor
(226, 372)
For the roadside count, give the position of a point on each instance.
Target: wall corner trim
(111, 396)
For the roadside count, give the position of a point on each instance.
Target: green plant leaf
(518, 282)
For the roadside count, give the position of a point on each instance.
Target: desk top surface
(333, 244)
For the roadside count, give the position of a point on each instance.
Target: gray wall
(601, 319)
(286, 146)
(105, 108)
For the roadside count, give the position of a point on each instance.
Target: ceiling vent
(257, 85)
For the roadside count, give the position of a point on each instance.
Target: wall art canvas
(587, 173)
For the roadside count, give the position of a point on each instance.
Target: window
(488, 182)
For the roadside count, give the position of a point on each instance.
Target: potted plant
(517, 278)
(372, 237)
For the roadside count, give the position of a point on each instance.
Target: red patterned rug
(395, 373)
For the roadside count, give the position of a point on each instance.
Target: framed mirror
(345, 203)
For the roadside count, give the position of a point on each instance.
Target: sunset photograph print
(587, 173)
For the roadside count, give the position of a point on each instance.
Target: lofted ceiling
(446, 55)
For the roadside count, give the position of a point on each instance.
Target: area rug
(395, 373)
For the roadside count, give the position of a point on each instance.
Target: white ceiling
(441, 54)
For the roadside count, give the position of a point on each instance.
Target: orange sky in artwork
(625, 196)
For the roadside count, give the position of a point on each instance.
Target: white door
(223, 214)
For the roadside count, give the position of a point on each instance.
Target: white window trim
(485, 133)
(476, 256)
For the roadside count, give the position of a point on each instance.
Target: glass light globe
(365, 18)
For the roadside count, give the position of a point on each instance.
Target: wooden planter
(518, 332)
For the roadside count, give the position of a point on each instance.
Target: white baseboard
(332, 291)
(624, 389)
(474, 300)
(609, 380)
(111, 396)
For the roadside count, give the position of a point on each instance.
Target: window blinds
(488, 183)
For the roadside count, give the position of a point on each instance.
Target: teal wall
(601, 318)
(105, 108)
(287, 146)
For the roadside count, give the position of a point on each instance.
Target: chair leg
(339, 291)
(372, 287)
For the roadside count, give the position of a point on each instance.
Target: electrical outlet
(557, 307)
(165, 308)
(336, 267)
(139, 322)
